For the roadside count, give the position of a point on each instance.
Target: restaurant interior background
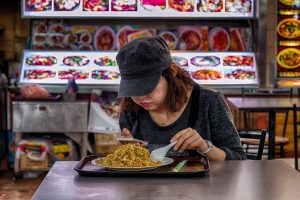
(257, 35)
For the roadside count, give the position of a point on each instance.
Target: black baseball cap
(141, 62)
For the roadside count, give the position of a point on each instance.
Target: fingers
(126, 133)
(187, 139)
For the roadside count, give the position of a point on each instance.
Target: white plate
(166, 161)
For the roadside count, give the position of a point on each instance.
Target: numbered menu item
(38, 5)
(238, 6)
(289, 58)
(205, 61)
(73, 73)
(96, 5)
(206, 74)
(183, 62)
(152, 5)
(76, 61)
(105, 75)
(182, 5)
(105, 61)
(39, 74)
(124, 5)
(41, 60)
(210, 5)
(289, 28)
(240, 74)
(66, 5)
(238, 61)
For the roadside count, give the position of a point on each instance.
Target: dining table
(234, 180)
(271, 105)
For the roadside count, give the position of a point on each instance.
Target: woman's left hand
(189, 139)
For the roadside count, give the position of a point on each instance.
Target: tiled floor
(20, 189)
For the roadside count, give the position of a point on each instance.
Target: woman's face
(155, 100)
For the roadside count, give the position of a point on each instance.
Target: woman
(160, 103)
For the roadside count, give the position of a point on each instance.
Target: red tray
(196, 166)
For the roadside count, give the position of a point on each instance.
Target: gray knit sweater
(213, 121)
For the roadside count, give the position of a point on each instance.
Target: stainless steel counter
(230, 180)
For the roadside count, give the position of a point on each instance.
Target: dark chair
(296, 136)
(260, 136)
(282, 140)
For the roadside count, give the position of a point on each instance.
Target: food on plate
(182, 5)
(66, 5)
(240, 39)
(238, 6)
(152, 5)
(73, 73)
(128, 155)
(289, 28)
(210, 5)
(104, 38)
(85, 47)
(124, 5)
(137, 33)
(76, 60)
(206, 74)
(183, 62)
(205, 61)
(239, 74)
(190, 40)
(40, 27)
(39, 74)
(38, 5)
(218, 39)
(290, 2)
(70, 47)
(56, 28)
(95, 5)
(38, 46)
(105, 75)
(289, 58)
(56, 38)
(105, 61)
(40, 37)
(41, 60)
(85, 38)
(56, 47)
(238, 61)
(70, 38)
(170, 39)
(122, 36)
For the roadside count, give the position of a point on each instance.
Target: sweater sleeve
(223, 132)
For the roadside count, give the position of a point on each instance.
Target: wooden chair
(259, 136)
(280, 141)
(296, 136)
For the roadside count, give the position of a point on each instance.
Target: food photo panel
(124, 5)
(210, 5)
(66, 5)
(153, 5)
(95, 5)
(38, 5)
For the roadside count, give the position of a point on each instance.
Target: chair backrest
(295, 123)
(255, 135)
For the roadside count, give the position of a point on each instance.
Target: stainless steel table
(234, 180)
(265, 104)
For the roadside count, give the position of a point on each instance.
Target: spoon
(160, 153)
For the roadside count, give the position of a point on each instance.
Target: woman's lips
(145, 105)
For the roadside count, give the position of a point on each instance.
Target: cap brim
(138, 86)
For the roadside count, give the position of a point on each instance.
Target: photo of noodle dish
(130, 157)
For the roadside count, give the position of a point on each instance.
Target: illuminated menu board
(288, 40)
(100, 68)
(138, 8)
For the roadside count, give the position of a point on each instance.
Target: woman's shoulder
(207, 92)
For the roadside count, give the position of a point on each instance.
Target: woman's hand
(189, 139)
(126, 133)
